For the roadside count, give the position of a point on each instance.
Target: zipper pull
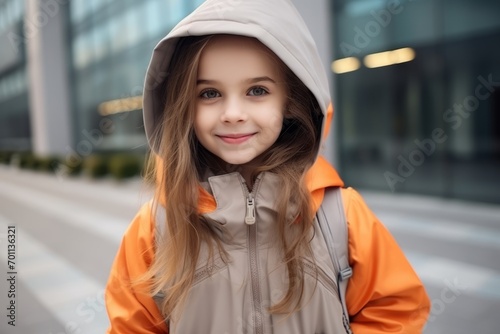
(250, 216)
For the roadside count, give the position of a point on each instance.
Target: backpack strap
(333, 225)
(160, 228)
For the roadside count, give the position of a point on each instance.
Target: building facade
(425, 116)
(15, 132)
(415, 84)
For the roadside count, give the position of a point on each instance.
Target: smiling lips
(236, 138)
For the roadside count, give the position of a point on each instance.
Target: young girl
(235, 107)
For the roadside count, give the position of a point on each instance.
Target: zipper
(255, 279)
(253, 258)
(250, 214)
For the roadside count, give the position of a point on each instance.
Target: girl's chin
(243, 162)
(238, 160)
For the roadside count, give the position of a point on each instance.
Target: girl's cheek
(276, 122)
(200, 117)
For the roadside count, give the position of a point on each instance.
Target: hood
(275, 23)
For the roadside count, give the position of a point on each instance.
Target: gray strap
(160, 228)
(333, 225)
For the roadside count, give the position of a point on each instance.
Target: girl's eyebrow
(259, 79)
(206, 82)
(250, 81)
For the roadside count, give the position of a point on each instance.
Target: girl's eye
(209, 94)
(258, 91)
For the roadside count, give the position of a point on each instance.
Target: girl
(235, 107)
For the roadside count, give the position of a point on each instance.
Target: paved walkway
(68, 231)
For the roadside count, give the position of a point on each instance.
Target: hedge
(118, 165)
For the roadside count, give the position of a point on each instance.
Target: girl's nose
(233, 112)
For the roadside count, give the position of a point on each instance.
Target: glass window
(7, 8)
(78, 51)
(101, 39)
(78, 9)
(95, 5)
(16, 83)
(132, 26)
(12, 11)
(113, 31)
(464, 18)
(117, 31)
(154, 15)
(2, 89)
(18, 9)
(198, 2)
(176, 12)
(23, 79)
(125, 29)
(421, 126)
(83, 49)
(141, 12)
(8, 86)
(2, 17)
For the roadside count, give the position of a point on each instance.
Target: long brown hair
(183, 162)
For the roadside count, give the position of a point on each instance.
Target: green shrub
(15, 159)
(123, 166)
(5, 157)
(23, 160)
(74, 169)
(95, 166)
(28, 161)
(67, 167)
(48, 164)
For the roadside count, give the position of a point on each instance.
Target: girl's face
(241, 96)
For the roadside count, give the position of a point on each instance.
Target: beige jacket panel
(234, 298)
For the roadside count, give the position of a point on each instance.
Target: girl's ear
(287, 121)
(286, 110)
(287, 116)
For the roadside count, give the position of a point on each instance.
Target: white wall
(48, 76)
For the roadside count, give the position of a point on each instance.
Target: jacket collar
(320, 176)
(231, 195)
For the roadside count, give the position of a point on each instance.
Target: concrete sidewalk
(68, 231)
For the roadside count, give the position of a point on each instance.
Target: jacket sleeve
(130, 308)
(384, 295)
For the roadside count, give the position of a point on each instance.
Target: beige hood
(276, 23)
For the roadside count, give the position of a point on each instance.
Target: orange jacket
(384, 294)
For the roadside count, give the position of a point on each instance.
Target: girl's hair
(184, 161)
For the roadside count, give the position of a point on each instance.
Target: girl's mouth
(236, 139)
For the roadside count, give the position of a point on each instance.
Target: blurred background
(71, 75)
(416, 91)
(445, 77)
